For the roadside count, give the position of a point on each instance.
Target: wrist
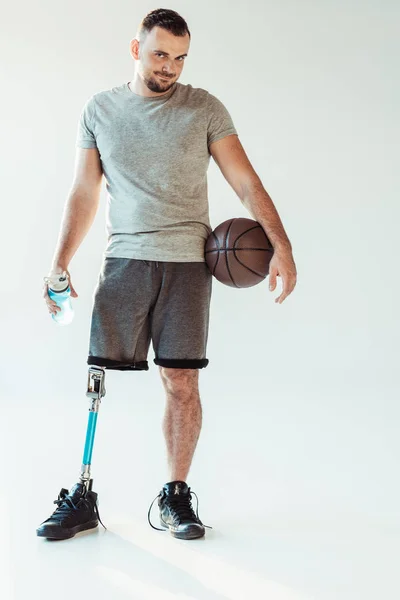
(58, 268)
(282, 248)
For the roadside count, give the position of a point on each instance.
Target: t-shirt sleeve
(219, 121)
(85, 137)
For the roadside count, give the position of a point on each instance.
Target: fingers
(52, 307)
(272, 279)
(73, 291)
(281, 298)
(288, 287)
(282, 265)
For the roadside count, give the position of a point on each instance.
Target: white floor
(289, 523)
(283, 557)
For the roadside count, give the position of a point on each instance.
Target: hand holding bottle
(57, 292)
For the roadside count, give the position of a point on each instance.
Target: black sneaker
(176, 512)
(77, 511)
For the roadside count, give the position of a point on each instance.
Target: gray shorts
(138, 301)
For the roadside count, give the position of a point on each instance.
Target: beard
(158, 85)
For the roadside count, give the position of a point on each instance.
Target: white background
(297, 464)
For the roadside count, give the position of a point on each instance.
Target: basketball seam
(247, 231)
(218, 250)
(237, 249)
(246, 267)
(226, 254)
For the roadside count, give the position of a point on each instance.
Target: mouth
(165, 78)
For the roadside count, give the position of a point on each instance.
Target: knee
(179, 381)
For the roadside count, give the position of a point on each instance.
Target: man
(152, 138)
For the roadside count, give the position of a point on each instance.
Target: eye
(181, 58)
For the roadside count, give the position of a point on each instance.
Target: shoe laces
(180, 507)
(65, 505)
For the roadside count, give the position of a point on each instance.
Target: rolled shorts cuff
(141, 365)
(184, 363)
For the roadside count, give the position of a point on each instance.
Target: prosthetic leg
(95, 392)
(77, 509)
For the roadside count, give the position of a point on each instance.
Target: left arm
(232, 160)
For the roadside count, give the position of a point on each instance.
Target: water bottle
(60, 292)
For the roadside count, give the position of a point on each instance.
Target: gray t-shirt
(154, 154)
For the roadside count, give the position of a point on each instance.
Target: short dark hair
(166, 19)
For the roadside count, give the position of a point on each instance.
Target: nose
(167, 67)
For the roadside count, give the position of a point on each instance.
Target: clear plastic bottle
(60, 292)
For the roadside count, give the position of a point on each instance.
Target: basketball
(238, 253)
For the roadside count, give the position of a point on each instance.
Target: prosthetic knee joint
(95, 391)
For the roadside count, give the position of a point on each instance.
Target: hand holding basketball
(239, 254)
(282, 265)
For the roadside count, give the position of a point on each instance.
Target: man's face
(162, 54)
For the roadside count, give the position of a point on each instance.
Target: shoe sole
(65, 534)
(191, 533)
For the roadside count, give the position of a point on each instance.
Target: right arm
(80, 207)
(79, 213)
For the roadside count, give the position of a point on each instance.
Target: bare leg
(182, 420)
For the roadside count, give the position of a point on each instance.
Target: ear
(134, 48)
